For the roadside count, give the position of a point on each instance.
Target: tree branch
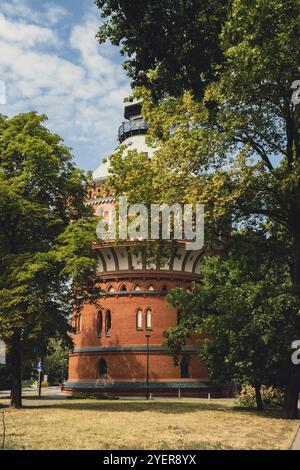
(261, 151)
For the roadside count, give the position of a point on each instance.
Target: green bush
(28, 383)
(44, 384)
(272, 397)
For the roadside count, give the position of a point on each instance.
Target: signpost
(39, 369)
(2, 353)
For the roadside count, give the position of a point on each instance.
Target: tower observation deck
(135, 123)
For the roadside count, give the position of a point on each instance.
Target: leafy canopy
(245, 313)
(45, 237)
(236, 149)
(171, 45)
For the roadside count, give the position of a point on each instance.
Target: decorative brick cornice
(148, 274)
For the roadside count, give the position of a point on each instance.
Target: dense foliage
(231, 140)
(46, 265)
(171, 45)
(245, 311)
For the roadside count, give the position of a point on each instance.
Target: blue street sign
(39, 366)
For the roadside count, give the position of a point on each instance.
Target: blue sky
(52, 63)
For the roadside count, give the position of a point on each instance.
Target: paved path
(30, 396)
(296, 442)
(54, 395)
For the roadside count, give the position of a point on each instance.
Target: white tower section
(132, 133)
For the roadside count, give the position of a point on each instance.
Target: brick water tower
(119, 346)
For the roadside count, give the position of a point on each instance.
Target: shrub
(272, 397)
(44, 384)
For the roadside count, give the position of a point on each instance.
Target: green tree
(55, 364)
(171, 45)
(246, 310)
(46, 265)
(237, 148)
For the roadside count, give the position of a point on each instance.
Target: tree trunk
(296, 273)
(291, 396)
(259, 402)
(15, 365)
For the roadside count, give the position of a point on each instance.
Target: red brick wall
(124, 365)
(130, 366)
(123, 314)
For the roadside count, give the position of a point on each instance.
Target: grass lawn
(128, 424)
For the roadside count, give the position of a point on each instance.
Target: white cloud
(80, 85)
(54, 13)
(16, 8)
(83, 39)
(50, 13)
(27, 34)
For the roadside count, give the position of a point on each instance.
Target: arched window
(77, 323)
(108, 323)
(123, 288)
(110, 289)
(137, 288)
(148, 319)
(151, 288)
(139, 319)
(102, 369)
(99, 324)
(184, 367)
(164, 290)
